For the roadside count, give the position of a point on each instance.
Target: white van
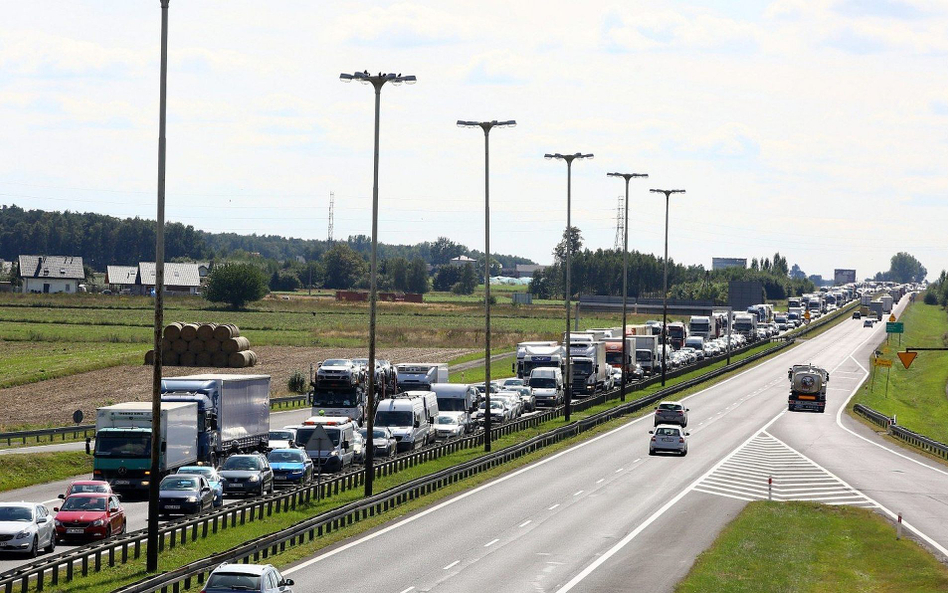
(430, 401)
(408, 420)
(547, 386)
(339, 455)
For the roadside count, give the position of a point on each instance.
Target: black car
(184, 494)
(246, 474)
(856, 314)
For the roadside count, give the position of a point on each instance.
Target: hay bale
(196, 346)
(226, 331)
(179, 346)
(150, 357)
(253, 358)
(237, 344)
(212, 345)
(170, 359)
(206, 331)
(189, 332)
(186, 359)
(166, 344)
(173, 330)
(241, 359)
(219, 359)
(202, 359)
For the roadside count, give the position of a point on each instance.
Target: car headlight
(24, 534)
(191, 499)
(98, 523)
(57, 522)
(334, 454)
(296, 471)
(254, 478)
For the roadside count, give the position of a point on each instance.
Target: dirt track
(52, 402)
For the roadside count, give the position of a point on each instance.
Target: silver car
(26, 527)
(671, 413)
(666, 437)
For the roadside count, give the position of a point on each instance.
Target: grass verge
(20, 471)
(801, 546)
(915, 395)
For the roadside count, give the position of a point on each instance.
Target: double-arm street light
(625, 277)
(377, 81)
(487, 126)
(668, 193)
(569, 158)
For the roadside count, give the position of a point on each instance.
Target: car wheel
(108, 532)
(34, 549)
(651, 451)
(124, 526)
(685, 452)
(52, 543)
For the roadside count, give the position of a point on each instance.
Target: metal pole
(370, 417)
(625, 293)
(665, 300)
(151, 554)
(729, 323)
(487, 422)
(569, 369)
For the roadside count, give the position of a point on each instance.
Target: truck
(420, 376)
(590, 370)
(876, 309)
(122, 454)
(233, 411)
(614, 354)
(594, 335)
(887, 301)
(639, 330)
(807, 388)
(795, 314)
(339, 389)
(647, 353)
(763, 311)
(517, 367)
(542, 356)
(746, 325)
(677, 334)
(703, 326)
(794, 302)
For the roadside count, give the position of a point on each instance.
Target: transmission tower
(332, 204)
(620, 224)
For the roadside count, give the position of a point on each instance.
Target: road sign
(882, 362)
(892, 317)
(895, 327)
(907, 358)
(806, 315)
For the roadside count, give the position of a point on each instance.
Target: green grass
(916, 395)
(20, 471)
(31, 361)
(478, 355)
(806, 547)
(498, 368)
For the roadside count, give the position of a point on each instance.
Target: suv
(671, 413)
(247, 474)
(262, 578)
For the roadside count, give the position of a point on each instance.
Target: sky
(816, 128)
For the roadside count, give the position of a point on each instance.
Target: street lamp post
(151, 553)
(487, 126)
(625, 276)
(569, 158)
(667, 192)
(377, 81)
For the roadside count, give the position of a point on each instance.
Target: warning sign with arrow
(907, 358)
(891, 318)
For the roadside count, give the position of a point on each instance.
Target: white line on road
(619, 470)
(491, 543)
(525, 523)
(637, 460)
(452, 565)
(600, 480)
(553, 507)
(404, 591)
(577, 493)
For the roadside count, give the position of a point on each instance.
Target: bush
(930, 298)
(297, 382)
(236, 284)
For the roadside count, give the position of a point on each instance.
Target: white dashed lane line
(491, 543)
(452, 565)
(578, 492)
(553, 507)
(525, 523)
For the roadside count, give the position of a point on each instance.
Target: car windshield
(136, 444)
(242, 463)
(509, 382)
(388, 418)
(341, 398)
(379, 434)
(88, 488)
(451, 404)
(84, 503)
(281, 435)
(178, 484)
(543, 383)
(199, 471)
(583, 367)
(335, 362)
(446, 420)
(669, 406)
(285, 457)
(234, 581)
(305, 435)
(16, 514)
(667, 432)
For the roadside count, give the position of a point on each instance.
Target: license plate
(807, 397)
(121, 482)
(173, 506)
(75, 530)
(668, 440)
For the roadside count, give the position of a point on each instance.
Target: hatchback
(259, 578)
(290, 466)
(671, 413)
(184, 494)
(213, 479)
(89, 515)
(666, 437)
(247, 474)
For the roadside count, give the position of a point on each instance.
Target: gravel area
(52, 402)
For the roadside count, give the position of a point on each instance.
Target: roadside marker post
(770, 488)
(898, 529)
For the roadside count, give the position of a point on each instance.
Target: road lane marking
(620, 469)
(404, 591)
(491, 543)
(553, 507)
(637, 460)
(577, 493)
(600, 480)
(452, 565)
(525, 523)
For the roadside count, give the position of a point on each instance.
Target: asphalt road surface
(606, 516)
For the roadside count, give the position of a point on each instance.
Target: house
(51, 273)
(527, 270)
(122, 278)
(181, 278)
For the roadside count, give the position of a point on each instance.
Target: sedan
(514, 382)
(667, 437)
(247, 474)
(213, 478)
(89, 515)
(26, 527)
(382, 439)
(87, 486)
(290, 466)
(184, 494)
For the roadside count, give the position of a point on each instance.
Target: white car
(499, 413)
(668, 437)
(513, 402)
(451, 424)
(513, 382)
(282, 438)
(26, 527)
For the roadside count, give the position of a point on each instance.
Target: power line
(332, 203)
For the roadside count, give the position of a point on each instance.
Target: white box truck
(647, 354)
(590, 370)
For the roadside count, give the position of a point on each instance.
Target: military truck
(807, 388)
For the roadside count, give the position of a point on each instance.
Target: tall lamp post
(569, 158)
(667, 192)
(625, 276)
(377, 81)
(151, 554)
(487, 126)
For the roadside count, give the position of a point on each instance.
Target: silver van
(408, 420)
(547, 386)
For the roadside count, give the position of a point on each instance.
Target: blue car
(213, 478)
(290, 466)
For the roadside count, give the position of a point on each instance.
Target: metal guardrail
(900, 432)
(82, 431)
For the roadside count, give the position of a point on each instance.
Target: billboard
(741, 295)
(841, 277)
(719, 263)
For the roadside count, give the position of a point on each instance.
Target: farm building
(180, 278)
(51, 273)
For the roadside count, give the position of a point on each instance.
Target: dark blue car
(290, 466)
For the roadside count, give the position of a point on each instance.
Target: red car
(89, 515)
(87, 486)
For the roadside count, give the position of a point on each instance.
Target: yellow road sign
(892, 318)
(882, 362)
(806, 315)
(907, 358)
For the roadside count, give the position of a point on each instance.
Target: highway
(605, 516)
